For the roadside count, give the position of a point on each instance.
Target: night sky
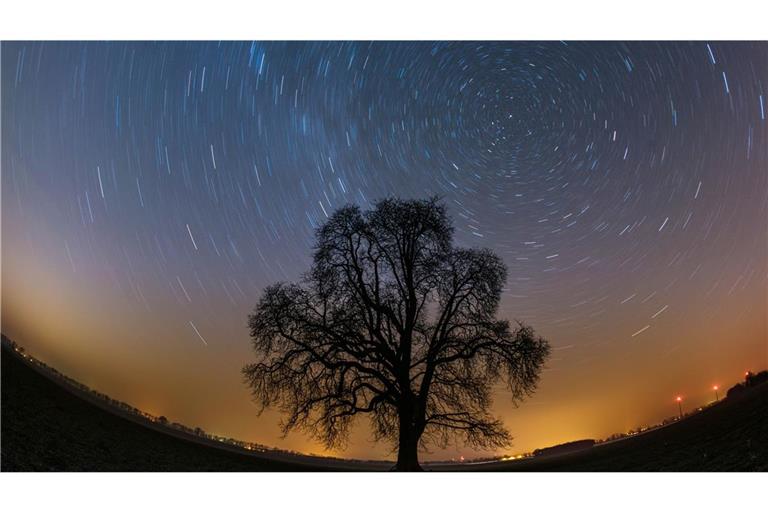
(150, 191)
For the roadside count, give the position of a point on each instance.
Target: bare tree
(393, 322)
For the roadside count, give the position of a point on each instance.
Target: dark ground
(48, 427)
(729, 436)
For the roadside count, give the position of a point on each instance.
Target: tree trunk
(408, 451)
(408, 444)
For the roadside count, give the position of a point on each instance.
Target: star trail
(150, 191)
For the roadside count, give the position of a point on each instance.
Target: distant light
(679, 399)
(715, 388)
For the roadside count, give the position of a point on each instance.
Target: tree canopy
(393, 322)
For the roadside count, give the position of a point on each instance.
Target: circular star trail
(152, 190)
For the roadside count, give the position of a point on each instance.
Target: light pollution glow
(147, 188)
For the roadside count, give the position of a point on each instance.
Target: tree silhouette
(395, 323)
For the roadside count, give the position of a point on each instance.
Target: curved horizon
(150, 191)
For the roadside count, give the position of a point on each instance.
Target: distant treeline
(752, 379)
(559, 449)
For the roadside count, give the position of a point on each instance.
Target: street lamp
(679, 406)
(717, 398)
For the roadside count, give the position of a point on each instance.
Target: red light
(715, 388)
(679, 399)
